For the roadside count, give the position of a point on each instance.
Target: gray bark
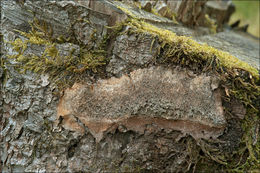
(142, 115)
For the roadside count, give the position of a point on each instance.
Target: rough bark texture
(135, 113)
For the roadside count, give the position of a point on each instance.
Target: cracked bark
(141, 115)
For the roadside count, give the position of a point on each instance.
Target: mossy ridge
(64, 71)
(190, 46)
(236, 74)
(193, 48)
(239, 79)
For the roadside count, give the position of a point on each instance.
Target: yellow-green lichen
(193, 48)
(189, 46)
(64, 70)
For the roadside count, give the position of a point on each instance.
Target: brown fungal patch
(170, 99)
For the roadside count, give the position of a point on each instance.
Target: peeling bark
(136, 112)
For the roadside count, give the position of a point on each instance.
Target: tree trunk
(105, 86)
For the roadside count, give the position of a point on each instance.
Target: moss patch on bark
(63, 70)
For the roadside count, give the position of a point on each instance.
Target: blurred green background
(248, 12)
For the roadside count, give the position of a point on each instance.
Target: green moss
(239, 76)
(239, 79)
(64, 70)
(192, 48)
(251, 141)
(189, 46)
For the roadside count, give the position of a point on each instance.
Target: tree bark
(105, 97)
